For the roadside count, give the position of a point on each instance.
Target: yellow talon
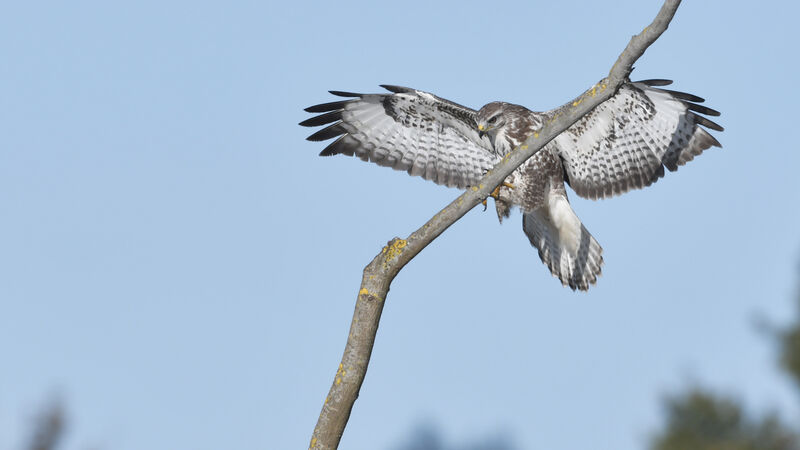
(496, 194)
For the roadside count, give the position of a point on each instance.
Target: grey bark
(379, 273)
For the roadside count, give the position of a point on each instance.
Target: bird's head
(491, 118)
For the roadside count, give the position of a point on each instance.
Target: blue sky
(178, 264)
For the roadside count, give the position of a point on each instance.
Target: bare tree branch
(379, 273)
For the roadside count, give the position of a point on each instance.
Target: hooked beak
(481, 131)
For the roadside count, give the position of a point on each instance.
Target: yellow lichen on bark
(393, 251)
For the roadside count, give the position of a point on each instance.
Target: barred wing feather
(626, 142)
(409, 130)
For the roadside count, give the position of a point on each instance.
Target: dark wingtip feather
(700, 120)
(684, 96)
(328, 151)
(703, 109)
(345, 94)
(703, 140)
(344, 145)
(325, 107)
(328, 132)
(656, 82)
(396, 89)
(322, 119)
(332, 149)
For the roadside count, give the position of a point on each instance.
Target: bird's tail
(565, 246)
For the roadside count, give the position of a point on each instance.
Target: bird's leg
(496, 193)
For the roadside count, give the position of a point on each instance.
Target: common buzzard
(625, 143)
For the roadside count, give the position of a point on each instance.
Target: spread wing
(626, 142)
(407, 130)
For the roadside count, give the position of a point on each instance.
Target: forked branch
(379, 273)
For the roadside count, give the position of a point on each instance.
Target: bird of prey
(624, 143)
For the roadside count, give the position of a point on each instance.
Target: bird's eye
(493, 119)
